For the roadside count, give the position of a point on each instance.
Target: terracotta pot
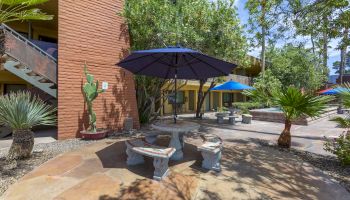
(100, 134)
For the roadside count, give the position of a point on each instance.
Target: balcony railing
(238, 78)
(30, 55)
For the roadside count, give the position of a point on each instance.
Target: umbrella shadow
(114, 156)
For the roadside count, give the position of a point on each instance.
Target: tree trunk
(199, 98)
(325, 44)
(313, 44)
(263, 36)
(285, 139)
(343, 55)
(22, 144)
(2, 44)
(202, 95)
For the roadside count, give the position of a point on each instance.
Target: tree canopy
(212, 28)
(296, 66)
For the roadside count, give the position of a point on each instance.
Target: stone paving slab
(308, 138)
(249, 171)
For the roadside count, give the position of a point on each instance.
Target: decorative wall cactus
(91, 92)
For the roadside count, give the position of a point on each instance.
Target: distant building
(346, 78)
(333, 79)
(187, 94)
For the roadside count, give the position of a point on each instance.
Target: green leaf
(21, 110)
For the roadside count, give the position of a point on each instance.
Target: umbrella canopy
(175, 62)
(334, 91)
(183, 62)
(232, 85)
(325, 90)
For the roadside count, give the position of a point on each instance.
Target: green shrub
(340, 147)
(221, 109)
(246, 106)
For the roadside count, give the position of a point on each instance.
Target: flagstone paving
(249, 171)
(307, 138)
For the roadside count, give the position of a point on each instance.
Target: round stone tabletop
(170, 126)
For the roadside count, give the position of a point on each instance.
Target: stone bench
(247, 119)
(211, 152)
(137, 148)
(232, 119)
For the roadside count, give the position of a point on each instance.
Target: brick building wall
(92, 31)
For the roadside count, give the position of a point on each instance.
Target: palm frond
(295, 104)
(32, 14)
(342, 122)
(17, 10)
(21, 110)
(22, 2)
(345, 94)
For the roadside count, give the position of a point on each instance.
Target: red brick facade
(92, 31)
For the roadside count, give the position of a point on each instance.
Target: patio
(249, 171)
(307, 138)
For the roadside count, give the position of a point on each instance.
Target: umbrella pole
(175, 114)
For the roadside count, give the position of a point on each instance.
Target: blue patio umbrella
(232, 85)
(334, 91)
(175, 63)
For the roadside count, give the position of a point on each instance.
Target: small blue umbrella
(175, 62)
(334, 91)
(232, 85)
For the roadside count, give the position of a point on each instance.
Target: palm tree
(294, 105)
(345, 100)
(343, 122)
(19, 10)
(21, 112)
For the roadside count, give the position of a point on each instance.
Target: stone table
(220, 117)
(177, 131)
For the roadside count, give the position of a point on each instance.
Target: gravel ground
(41, 153)
(328, 164)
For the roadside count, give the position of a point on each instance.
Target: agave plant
(21, 112)
(19, 10)
(294, 105)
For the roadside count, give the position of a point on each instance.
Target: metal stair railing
(30, 55)
(26, 41)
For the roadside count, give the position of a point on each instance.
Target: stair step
(38, 78)
(26, 70)
(44, 80)
(31, 77)
(19, 65)
(31, 73)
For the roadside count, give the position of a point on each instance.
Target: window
(227, 98)
(14, 88)
(23, 34)
(47, 39)
(180, 97)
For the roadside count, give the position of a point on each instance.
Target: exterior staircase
(29, 62)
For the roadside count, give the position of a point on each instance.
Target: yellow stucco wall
(8, 78)
(36, 30)
(167, 107)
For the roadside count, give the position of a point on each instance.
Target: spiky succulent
(22, 111)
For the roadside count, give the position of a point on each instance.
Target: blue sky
(334, 55)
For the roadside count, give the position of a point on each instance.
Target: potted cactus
(91, 92)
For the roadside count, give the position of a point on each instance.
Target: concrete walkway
(308, 138)
(98, 171)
